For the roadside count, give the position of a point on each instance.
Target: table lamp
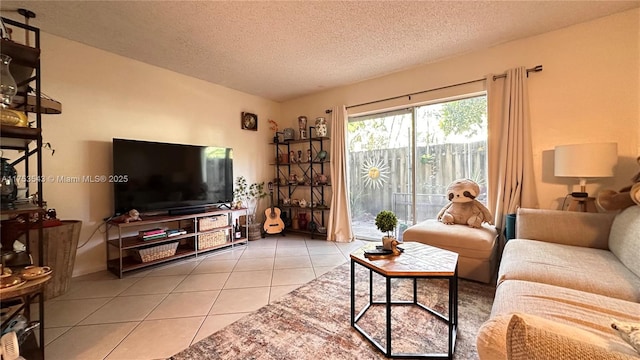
(585, 161)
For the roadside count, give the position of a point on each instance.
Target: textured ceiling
(285, 49)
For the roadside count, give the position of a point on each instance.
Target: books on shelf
(154, 234)
(175, 232)
(154, 237)
(155, 231)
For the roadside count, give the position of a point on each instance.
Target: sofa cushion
(591, 270)
(532, 337)
(564, 227)
(581, 310)
(476, 243)
(624, 240)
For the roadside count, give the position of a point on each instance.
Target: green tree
(464, 117)
(370, 135)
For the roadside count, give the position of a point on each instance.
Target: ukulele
(273, 223)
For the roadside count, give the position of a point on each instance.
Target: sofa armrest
(565, 227)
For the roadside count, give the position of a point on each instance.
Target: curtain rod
(536, 68)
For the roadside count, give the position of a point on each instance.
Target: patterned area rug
(313, 322)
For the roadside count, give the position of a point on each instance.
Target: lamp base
(582, 204)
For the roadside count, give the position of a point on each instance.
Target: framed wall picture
(249, 121)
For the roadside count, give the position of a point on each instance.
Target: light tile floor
(154, 314)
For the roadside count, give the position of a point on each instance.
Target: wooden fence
(437, 166)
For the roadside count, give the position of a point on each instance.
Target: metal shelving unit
(317, 207)
(25, 68)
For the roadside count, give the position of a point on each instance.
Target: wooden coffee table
(419, 261)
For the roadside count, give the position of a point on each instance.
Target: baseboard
(91, 270)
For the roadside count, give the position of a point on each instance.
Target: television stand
(224, 206)
(164, 238)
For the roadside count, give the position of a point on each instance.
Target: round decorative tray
(10, 282)
(35, 272)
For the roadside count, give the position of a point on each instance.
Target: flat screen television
(172, 178)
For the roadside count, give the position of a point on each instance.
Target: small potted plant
(248, 196)
(386, 221)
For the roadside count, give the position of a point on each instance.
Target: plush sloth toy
(463, 208)
(628, 196)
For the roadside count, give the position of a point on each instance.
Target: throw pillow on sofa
(530, 337)
(629, 331)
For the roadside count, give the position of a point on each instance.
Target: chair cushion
(468, 242)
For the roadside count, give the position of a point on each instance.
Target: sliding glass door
(404, 160)
(379, 166)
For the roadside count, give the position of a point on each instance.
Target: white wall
(105, 96)
(588, 92)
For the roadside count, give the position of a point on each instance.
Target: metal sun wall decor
(375, 173)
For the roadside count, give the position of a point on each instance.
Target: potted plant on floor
(386, 221)
(249, 196)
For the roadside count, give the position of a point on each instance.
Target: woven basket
(212, 222)
(155, 252)
(211, 239)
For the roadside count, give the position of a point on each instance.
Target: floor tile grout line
(210, 308)
(123, 339)
(60, 335)
(197, 330)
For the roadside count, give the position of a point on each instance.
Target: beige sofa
(560, 282)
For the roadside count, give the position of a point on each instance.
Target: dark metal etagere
(318, 202)
(26, 59)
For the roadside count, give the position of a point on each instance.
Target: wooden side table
(419, 261)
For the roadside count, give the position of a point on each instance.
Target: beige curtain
(339, 226)
(511, 178)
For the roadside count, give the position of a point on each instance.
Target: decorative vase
(8, 87)
(8, 90)
(321, 126)
(288, 134)
(302, 126)
(322, 155)
(302, 220)
(321, 179)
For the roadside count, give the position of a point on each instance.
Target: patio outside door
(379, 167)
(404, 160)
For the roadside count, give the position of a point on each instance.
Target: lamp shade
(586, 160)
